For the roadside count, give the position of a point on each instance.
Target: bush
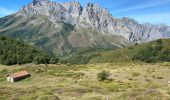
(168, 58)
(159, 77)
(150, 59)
(159, 41)
(136, 44)
(135, 74)
(103, 75)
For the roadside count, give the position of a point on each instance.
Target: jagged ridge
(94, 17)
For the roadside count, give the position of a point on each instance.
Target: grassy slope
(137, 81)
(82, 56)
(125, 54)
(36, 30)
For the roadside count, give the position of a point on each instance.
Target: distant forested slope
(14, 52)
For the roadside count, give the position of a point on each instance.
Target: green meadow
(127, 81)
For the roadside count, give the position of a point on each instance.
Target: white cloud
(155, 18)
(4, 11)
(152, 3)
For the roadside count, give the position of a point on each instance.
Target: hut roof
(19, 74)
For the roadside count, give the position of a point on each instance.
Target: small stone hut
(17, 76)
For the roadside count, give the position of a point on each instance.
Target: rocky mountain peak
(95, 8)
(39, 1)
(94, 17)
(73, 8)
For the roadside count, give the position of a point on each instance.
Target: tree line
(14, 52)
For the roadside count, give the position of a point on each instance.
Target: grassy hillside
(82, 56)
(14, 52)
(127, 81)
(155, 51)
(38, 31)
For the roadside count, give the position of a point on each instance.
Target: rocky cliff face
(92, 16)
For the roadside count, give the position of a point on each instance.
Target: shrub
(103, 75)
(159, 41)
(168, 92)
(135, 74)
(136, 44)
(168, 58)
(159, 77)
(150, 59)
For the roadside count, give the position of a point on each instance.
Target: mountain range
(61, 28)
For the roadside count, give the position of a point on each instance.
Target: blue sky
(154, 11)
